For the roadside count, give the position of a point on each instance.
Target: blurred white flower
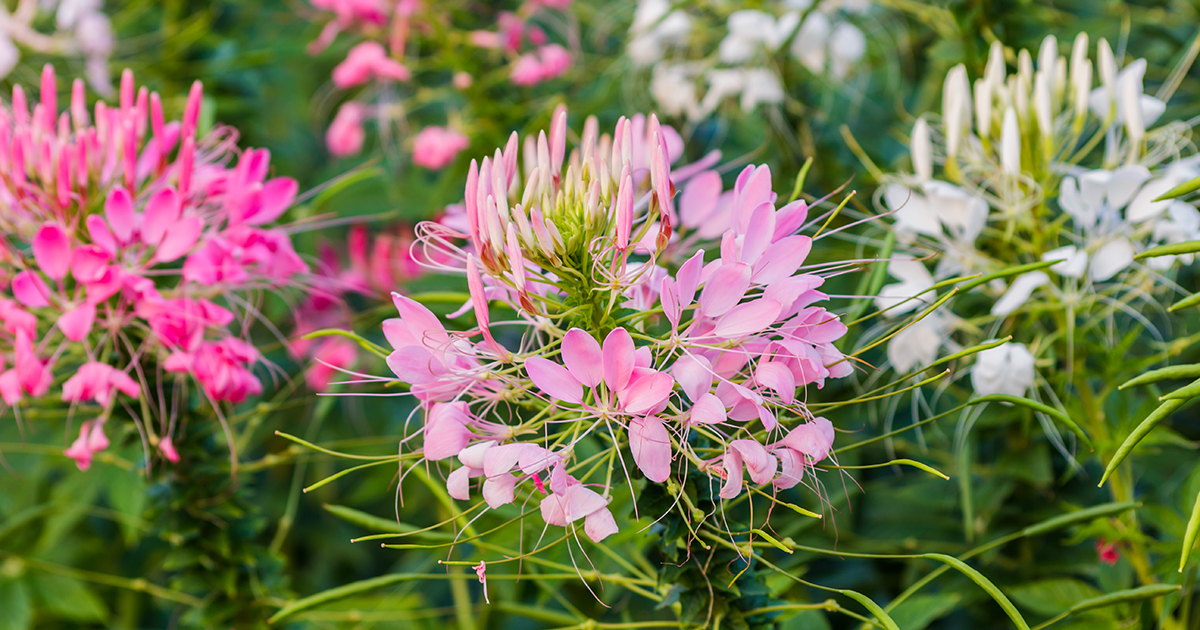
(918, 344)
(761, 86)
(9, 55)
(752, 32)
(673, 87)
(1006, 369)
(656, 27)
(1126, 88)
(1019, 293)
(914, 279)
(937, 206)
(819, 42)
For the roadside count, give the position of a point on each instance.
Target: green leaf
(1189, 536)
(368, 521)
(1190, 300)
(16, 613)
(1052, 596)
(922, 610)
(1174, 249)
(342, 592)
(870, 605)
(1142, 429)
(1187, 392)
(983, 583)
(68, 598)
(126, 491)
(1164, 374)
(1180, 190)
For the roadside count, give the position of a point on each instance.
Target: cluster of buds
(123, 231)
(387, 29)
(694, 363)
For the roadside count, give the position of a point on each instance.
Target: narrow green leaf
(1078, 516)
(1180, 190)
(895, 462)
(1164, 374)
(345, 472)
(1189, 536)
(870, 605)
(1140, 432)
(1190, 300)
(1011, 271)
(1174, 249)
(1187, 392)
(1124, 597)
(366, 344)
(800, 179)
(368, 521)
(1037, 406)
(983, 583)
(342, 592)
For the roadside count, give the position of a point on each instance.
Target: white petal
(1018, 293)
(1112, 258)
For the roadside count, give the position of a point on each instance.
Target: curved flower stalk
(133, 244)
(389, 34)
(740, 65)
(81, 30)
(670, 366)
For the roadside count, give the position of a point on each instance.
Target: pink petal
(688, 278)
(777, 376)
(162, 210)
(733, 475)
(88, 263)
(582, 502)
(118, 209)
(498, 491)
(708, 410)
(446, 434)
(76, 323)
(724, 289)
(791, 466)
(458, 484)
(647, 392)
(413, 365)
(277, 196)
(554, 379)
(618, 359)
(426, 328)
(10, 387)
(100, 234)
(789, 219)
(52, 251)
(181, 236)
(699, 198)
(599, 525)
(30, 290)
(782, 259)
(758, 233)
(581, 353)
(757, 460)
(554, 510)
(813, 439)
(473, 456)
(694, 374)
(747, 319)
(651, 447)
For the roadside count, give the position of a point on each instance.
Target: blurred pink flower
(366, 61)
(345, 135)
(436, 147)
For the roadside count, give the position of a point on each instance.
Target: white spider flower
(1007, 369)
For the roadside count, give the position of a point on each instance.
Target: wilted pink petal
(599, 525)
(651, 447)
(707, 410)
(733, 475)
(554, 379)
(758, 462)
(498, 491)
(791, 465)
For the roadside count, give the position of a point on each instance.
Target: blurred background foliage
(198, 546)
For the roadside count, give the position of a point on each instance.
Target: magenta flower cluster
(123, 232)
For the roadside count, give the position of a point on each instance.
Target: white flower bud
(1048, 56)
(1081, 77)
(983, 108)
(1025, 65)
(956, 107)
(1010, 143)
(996, 67)
(1108, 71)
(1042, 104)
(1079, 52)
(1131, 106)
(922, 150)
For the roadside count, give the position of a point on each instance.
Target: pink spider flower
(436, 147)
(125, 228)
(590, 245)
